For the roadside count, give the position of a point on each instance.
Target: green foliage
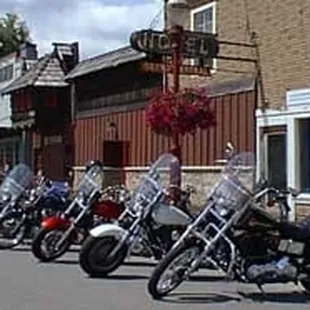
(13, 32)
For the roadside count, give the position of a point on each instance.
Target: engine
(262, 266)
(274, 272)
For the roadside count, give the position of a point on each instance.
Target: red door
(116, 155)
(53, 158)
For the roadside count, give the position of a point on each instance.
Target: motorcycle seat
(299, 231)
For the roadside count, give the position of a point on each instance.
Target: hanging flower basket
(184, 112)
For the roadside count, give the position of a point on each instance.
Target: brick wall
(284, 43)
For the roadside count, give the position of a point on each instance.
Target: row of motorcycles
(233, 231)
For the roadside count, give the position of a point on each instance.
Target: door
(115, 153)
(115, 158)
(53, 157)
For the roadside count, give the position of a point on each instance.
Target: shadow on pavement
(200, 298)
(278, 297)
(140, 264)
(74, 250)
(66, 262)
(121, 277)
(21, 249)
(206, 278)
(258, 297)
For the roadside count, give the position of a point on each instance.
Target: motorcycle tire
(15, 239)
(90, 257)
(165, 263)
(42, 255)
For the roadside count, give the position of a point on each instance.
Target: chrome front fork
(128, 237)
(72, 226)
(220, 230)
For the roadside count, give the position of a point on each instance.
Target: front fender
(55, 222)
(107, 230)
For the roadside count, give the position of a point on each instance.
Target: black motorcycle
(262, 248)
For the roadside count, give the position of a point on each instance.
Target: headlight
(32, 195)
(221, 210)
(5, 197)
(136, 208)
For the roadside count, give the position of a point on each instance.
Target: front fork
(127, 238)
(73, 225)
(210, 242)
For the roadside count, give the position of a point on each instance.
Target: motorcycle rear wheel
(94, 263)
(38, 243)
(172, 258)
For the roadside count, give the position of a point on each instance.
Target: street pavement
(28, 285)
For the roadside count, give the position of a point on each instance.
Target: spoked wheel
(173, 270)
(12, 231)
(95, 258)
(44, 244)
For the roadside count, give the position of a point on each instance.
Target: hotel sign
(195, 44)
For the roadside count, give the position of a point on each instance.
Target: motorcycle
(90, 206)
(149, 222)
(23, 219)
(12, 191)
(262, 249)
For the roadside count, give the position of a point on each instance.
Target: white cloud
(98, 25)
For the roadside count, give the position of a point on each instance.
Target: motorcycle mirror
(229, 146)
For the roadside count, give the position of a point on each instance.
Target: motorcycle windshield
(91, 181)
(150, 189)
(16, 182)
(241, 169)
(235, 185)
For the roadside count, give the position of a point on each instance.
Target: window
(6, 73)
(304, 155)
(203, 20)
(276, 159)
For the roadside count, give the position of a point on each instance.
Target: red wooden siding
(235, 122)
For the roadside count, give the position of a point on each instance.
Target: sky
(98, 25)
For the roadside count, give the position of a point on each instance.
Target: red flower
(182, 113)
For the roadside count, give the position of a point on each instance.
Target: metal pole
(176, 34)
(165, 59)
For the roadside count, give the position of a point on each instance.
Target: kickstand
(260, 287)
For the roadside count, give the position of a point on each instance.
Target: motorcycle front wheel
(12, 231)
(95, 257)
(44, 244)
(172, 270)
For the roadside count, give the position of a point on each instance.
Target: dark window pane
(208, 20)
(276, 150)
(6, 73)
(203, 21)
(304, 138)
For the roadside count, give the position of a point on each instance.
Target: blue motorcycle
(23, 210)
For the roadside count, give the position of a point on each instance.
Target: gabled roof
(105, 61)
(46, 72)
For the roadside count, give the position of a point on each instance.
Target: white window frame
(214, 24)
(272, 118)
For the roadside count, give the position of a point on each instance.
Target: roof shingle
(46, 72)
(105, 61)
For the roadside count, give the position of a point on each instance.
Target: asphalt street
(28, 285)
